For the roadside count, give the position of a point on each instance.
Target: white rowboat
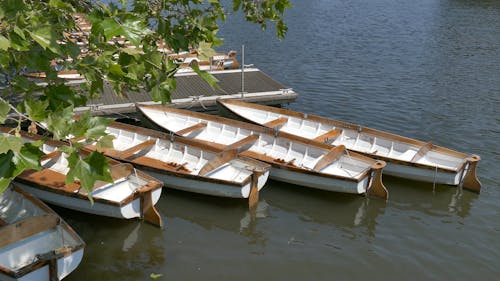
(294, 160)
(35, 243)
(187, 165)
(406, 158)
(132, 194)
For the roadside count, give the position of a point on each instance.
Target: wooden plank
(191, 128)
(330, 135)
(328, 157)
(2, 222)
(30, 226)
(422, 151)
(236, 145)
(51, 155)
(218, 161)
(141, 146)
(50, 178)
(276, 122)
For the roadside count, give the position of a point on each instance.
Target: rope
(434, 181)
(462, 176)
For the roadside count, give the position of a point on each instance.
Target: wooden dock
(194, 93)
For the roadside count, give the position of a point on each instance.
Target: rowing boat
(187, 165)
(293, 160)
(406, 158)
(132, 193)
(36, 244)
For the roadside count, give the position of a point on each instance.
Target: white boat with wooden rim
(406, 158)
(294, 160)
(187, 165)
(132, 194)
(35, 243)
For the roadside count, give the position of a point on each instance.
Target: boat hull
(422, 174)
(126, 211)
(207, 187)
(319, 182)
(65, 266)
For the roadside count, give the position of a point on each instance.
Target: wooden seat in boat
(12, 233)
(276, 122)
(218, 161)
(330, 135)
(141, 146)
(191, 128)
(52, 179)
(328, 157)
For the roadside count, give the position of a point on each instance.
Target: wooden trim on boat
(253, 196)
(149, 212)
(190, 129)
(276, 123)
(377, 187)
(329, 156)
(470, 181)
(51, 155)
(330, 135)
(28, 227)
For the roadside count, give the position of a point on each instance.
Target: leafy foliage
(122, 48)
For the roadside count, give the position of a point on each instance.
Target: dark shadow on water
(342, 210)
(115, 246)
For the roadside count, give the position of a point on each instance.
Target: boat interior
(181, 157)
(355, 140)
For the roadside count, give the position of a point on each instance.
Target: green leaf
(4, 43)
(36, 109)
(4, 110)
(111, 28)
(115, 69)
(205, 51)
(10, 143)
(28, 158)
(4, 183)
(60, 4)
(45, 37)
(88, 170)
(209, 78)
(59, 122)
(155, 275)
(134, 30)
(105, 142)
(7, 165)
(19, 32)
(97, 127)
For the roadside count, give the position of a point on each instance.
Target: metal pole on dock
(242, 70)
